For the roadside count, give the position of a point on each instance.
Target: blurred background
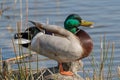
(104, 13)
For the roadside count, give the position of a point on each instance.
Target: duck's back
(57, 47)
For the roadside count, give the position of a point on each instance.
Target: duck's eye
(79, 19)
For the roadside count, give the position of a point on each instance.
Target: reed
(24, 73)
(106, 58)
(98, 68)
(0, 59)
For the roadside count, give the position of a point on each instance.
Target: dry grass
(106, 58)
(24, 73)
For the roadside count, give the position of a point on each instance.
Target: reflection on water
(105, 14)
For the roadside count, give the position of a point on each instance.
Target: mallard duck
(66, 45)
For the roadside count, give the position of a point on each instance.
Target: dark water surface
(105, 14)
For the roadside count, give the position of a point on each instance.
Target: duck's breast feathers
(86, 42)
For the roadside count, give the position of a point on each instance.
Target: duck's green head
(73, 21)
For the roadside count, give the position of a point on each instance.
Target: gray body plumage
(61, 48)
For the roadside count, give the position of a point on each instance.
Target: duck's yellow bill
(87, 23)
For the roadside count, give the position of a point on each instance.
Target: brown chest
(86, 42)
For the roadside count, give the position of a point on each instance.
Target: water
(105, 14)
